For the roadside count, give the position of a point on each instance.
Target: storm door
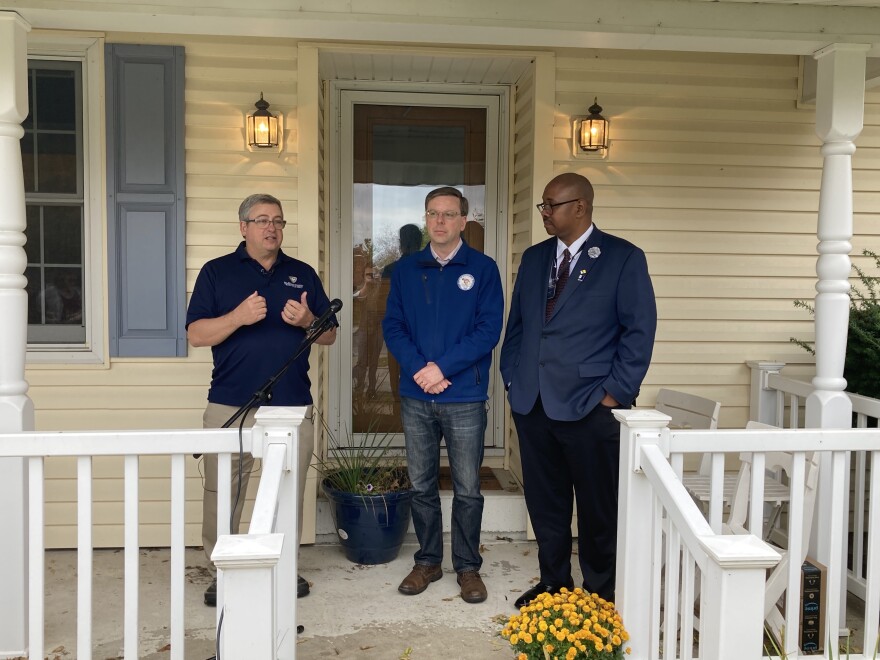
(395, 148)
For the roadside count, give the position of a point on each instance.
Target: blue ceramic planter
(371, 528)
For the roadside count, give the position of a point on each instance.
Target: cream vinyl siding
(522, 193)
(714, 171)
(224, 77)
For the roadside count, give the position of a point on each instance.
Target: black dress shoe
(302, 586)
(536, 591)
(211, 594)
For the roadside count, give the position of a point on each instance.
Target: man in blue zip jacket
(442, 320)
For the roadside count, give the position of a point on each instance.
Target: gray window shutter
(146, 200)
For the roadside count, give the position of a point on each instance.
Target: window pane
(63, 296)
(27, 162)
(33, 235)
(62, 239)
(35, 300)
(55, 100)
(56, 163)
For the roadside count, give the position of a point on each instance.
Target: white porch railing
(669, 559)
(779, 400)
(257, 612)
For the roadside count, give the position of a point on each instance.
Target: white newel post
(16, 409)
(246, 564)
(762, 399)
(635, 527)
(257, 571)
(280, 424)
(840, 100)
(734, 596)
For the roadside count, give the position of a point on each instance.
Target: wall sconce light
(263, 128)
(589, 135)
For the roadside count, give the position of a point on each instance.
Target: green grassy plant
(367, 465)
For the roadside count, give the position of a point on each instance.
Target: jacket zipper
(425, 285)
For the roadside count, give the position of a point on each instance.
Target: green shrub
(862, 366)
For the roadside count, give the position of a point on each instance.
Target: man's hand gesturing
(251, 310)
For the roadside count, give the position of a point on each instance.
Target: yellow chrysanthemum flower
(567, 625)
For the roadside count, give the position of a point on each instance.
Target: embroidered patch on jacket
(466, 282)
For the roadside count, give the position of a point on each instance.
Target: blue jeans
(463, 426)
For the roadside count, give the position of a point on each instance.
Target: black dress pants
(580, 457)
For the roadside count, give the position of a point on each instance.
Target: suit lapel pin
(583, 272)
(593, 252)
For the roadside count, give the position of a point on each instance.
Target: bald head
(567, 207)
(577, 185)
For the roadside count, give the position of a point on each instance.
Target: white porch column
(840, 101)
(16, 409)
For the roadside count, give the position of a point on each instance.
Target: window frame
(89, 51)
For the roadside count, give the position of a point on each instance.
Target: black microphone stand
(264, 394)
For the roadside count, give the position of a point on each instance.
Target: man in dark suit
(578, 344)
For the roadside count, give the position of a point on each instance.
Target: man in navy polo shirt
(253, 308)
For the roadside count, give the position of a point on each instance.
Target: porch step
(504, 512)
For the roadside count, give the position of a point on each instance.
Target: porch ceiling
(771, 26)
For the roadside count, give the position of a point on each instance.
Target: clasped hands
(253, 309)
(431, 379)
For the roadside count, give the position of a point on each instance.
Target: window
(52, 160)
(62, 178)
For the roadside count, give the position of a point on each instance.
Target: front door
(395, 148)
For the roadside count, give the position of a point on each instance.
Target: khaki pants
(215, 416)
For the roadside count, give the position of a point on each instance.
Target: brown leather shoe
(419, 578)
(472, 588)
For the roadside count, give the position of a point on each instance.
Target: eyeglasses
(445, 215)
(262, 222)
(546, 207)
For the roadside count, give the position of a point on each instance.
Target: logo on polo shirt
(292, 282)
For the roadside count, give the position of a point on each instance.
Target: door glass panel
(401, 153)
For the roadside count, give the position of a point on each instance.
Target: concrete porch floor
(353, 611)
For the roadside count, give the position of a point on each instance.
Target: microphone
(335, 306)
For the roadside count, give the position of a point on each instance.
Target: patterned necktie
(561, 279)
